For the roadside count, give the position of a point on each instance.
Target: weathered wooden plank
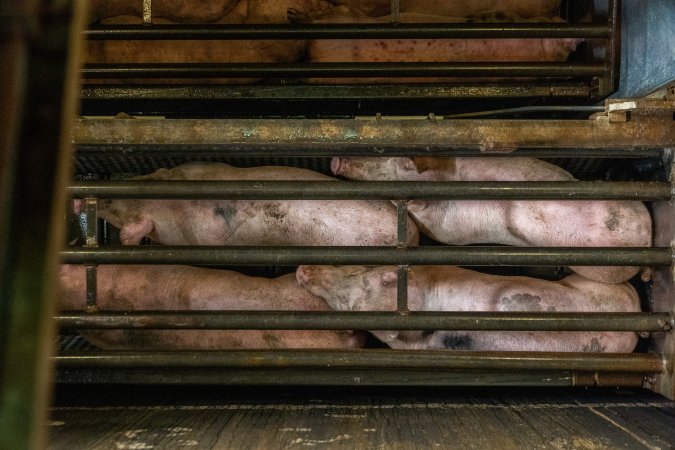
(142, 418)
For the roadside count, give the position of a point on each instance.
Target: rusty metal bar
(326, 137)
(367, 358)
(347, 31)
(347, 69)
(376, 320)
(432, 255)
(380, 190)
(346, 377)
(398, 92)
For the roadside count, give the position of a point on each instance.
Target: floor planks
(119, 417)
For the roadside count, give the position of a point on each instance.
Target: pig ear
(132, 232)
(417, 205)
(388, 277)
(409, 164)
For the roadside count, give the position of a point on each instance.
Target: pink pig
(188, 288)
(450, 288)
(251, 222)
(557, 223)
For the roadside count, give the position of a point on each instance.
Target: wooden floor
(136, 418)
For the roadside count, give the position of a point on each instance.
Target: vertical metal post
(395, 16)
(610, 80)
(91, 208)
(402, 270)
(46, 42)
(147, 12)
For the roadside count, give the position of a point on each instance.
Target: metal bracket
(147, 12)
(619, 110)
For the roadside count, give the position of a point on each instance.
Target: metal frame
(627, 119)
(594, 81)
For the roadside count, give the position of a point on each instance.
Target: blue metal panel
(647, 46)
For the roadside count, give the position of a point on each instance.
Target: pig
(431, 50)
(251, 222)
(457, 8)
(187, 288)
(206, 11)
(575, 223)
(449, 288)
(199, 51)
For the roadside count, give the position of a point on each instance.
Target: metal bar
(402, 289)
(402, 223)
(369, 358)
(382, 190)
(147, 12)
(91, 210)
(411, 92)
(326, 137)
(395, 12)
(91, 281)
(232, 149)
(528, 109)
(441, 255)
(347, 69)
(609, 82)
(347, 31)
(379, 320)
(346, 377)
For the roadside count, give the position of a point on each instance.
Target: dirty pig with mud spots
(251, 222)
(450, 288)
(184, 288)
(538, 223)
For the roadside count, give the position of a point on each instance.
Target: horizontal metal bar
(369, 358)
(339, 320)
(345, 377)
(388, 91)
(230, 149)
(347, 69)
(329, 137)
(382, 190)
(348, 31)
(441, 255)
(528, 109)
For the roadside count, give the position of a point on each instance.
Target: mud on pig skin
(558, 223)
(433, 50)
(450, 288)
(197, 289)
(251, 222)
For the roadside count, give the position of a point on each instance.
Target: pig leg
(132, 232)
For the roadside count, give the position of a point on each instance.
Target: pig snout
(336, 166)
